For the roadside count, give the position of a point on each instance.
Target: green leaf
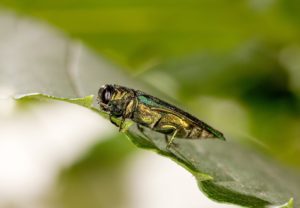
(85, 101)
(234, 173)
(225, 171)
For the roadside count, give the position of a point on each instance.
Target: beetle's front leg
(112, 121)
(121, 124)
(116, 124)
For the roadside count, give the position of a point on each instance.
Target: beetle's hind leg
(170, 141)
(142, 130)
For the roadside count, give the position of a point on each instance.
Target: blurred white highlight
(155, 181)
(37, 144)
(7, 107)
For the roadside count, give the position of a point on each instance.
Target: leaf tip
(290, 203)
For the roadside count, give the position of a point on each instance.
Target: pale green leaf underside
(85, 101)
(225, 171)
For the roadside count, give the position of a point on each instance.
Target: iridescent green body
(151, 112)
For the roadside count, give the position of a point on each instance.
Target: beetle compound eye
(105, 93)
(106, 96)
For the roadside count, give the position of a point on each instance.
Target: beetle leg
(170, 142)
(121, 124)
(141, 129)
(166, 138)
(117, 125)
(112, 121)
(167, 129)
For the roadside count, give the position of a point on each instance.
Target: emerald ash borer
(151, 112)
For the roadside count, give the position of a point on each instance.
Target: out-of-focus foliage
(95, 181)
(137, 33)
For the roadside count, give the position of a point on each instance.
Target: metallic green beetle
(146, 110)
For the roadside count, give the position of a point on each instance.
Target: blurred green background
(235, 64)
